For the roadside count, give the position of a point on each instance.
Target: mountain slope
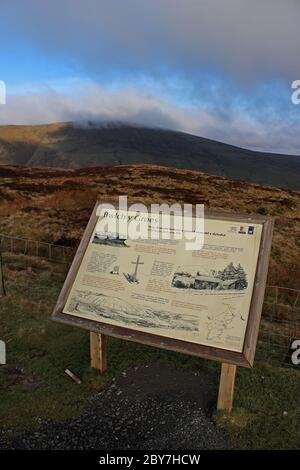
(68, 146)
(54, 205)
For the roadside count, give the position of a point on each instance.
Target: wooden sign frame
(244, 358)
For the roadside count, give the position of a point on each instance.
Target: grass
(33, 383)
(266, 409)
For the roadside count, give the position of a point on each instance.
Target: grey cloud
(246, 39)
(97, 104)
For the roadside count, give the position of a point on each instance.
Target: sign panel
(205, 301)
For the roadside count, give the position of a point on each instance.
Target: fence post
(297, 297)
(98, 349)
(2, 286)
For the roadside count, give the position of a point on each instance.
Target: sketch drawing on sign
(111, 239)
(105, 307)
(133, 277)
(221, 322)
(230, 278)
(115, 270)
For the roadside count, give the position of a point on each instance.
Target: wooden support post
(98, 346)
(226, 387)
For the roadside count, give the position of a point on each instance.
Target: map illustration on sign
(222, 322)
(156, 286)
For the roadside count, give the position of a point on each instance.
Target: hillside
(54, 205)
(68, 146)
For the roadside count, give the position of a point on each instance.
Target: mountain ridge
(72, 146)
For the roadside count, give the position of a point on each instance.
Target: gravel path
(149, 407)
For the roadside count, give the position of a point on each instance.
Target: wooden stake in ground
(98, 347)
(73, 376)
(226, 387)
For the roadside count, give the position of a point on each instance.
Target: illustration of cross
(137, 263)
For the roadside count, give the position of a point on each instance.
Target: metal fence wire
(36, 248)
(280, 324)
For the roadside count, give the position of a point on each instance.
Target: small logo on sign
(250, 230)
(242, 229)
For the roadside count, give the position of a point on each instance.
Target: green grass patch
(266, 413)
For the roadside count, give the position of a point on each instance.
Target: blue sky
(221, 69)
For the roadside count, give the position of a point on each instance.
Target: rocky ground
(149, 407)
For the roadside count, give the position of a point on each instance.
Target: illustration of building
(231, 278)
(182, 281)
(206, 282)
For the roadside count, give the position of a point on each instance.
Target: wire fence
(29, 266)
(280, 324)
(36, 248)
